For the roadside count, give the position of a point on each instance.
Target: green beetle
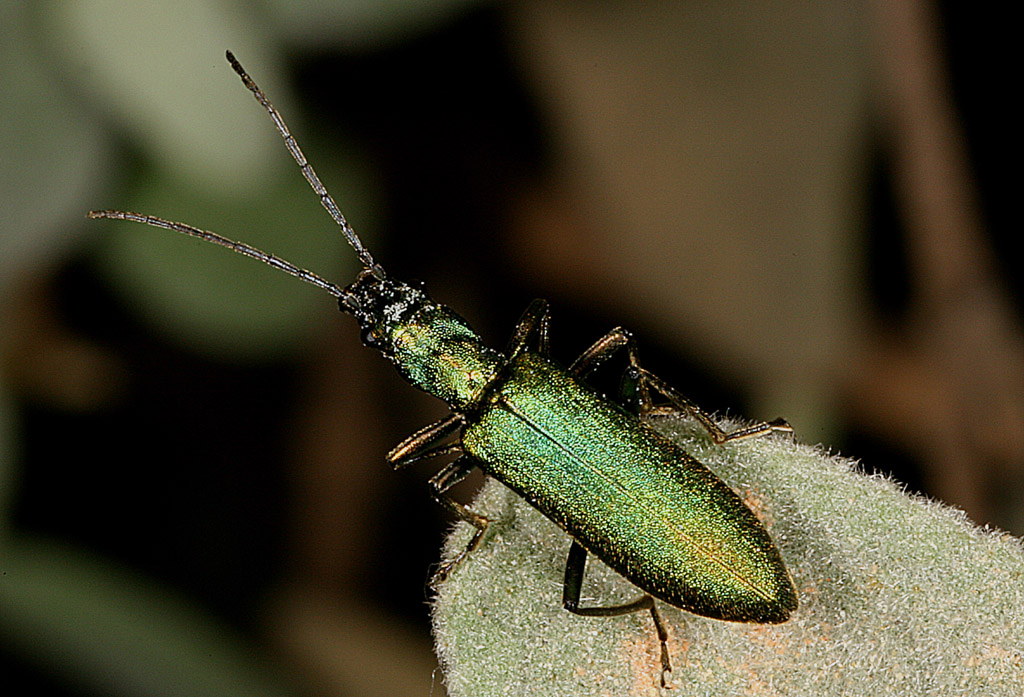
(594, 466)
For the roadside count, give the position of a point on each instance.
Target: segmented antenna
(241, 248)
(307, 169)
(348, 300)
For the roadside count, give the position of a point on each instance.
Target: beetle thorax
(429, 343)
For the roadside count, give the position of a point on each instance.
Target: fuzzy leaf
(898, 596)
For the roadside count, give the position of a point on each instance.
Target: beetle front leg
(638, 383)
(449, 476)
(575, 565)
(426, 442)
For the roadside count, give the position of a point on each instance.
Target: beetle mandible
(593, 465)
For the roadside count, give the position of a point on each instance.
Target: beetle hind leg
(575, 566)
(719, 436)
(638, 385)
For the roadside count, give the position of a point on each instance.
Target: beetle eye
(369, 338)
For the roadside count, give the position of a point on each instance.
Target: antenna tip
(235, 65)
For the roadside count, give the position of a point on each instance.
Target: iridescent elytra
(592, 464)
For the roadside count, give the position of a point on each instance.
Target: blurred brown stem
(953, 386)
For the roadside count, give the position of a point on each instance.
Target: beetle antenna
(307, 169)
(241, 248)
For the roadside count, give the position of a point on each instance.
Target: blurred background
(800, 208)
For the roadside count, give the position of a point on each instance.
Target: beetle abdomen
(638, 501)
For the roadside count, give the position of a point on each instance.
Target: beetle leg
(426, 442)
(449, 476)
(638, 383)
(717, 434)
(602, 350)
(634, 390)
(575, 565)
(535, 320)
